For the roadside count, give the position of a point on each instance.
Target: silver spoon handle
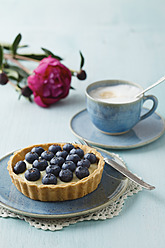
(152, 86)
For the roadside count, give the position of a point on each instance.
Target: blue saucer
(145, 132)
(112, 185)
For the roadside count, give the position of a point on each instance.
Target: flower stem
(15, 86)
(26, 58)
(74, 73)
(9, 57)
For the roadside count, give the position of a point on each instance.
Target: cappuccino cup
(113, 107)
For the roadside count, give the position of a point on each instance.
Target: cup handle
(152, 110)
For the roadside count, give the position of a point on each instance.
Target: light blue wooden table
(119, 39)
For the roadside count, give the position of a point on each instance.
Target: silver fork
(123, 170)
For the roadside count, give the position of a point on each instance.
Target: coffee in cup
(119, 93)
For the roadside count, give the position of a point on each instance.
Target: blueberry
(32, 174)
(91, 157)
(69, 165)
(49, 179)
(57, 160)
(47, 155)
(73, 157)
(31, 156)
(77, 151)
(82, 172)
(84, 163)
(67, 147)
(53, 169)
(19, 167)
(62, 154)
(54, 148)
(38, 150)
(66, 175)
(40, 164)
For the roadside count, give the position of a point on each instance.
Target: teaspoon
(150, 87)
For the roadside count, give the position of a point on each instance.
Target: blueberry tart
(56, 171)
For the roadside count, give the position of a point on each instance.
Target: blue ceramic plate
(145, 132)
(112, 185)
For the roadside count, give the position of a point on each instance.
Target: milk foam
(120, 93)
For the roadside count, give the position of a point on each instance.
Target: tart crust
(61, 192)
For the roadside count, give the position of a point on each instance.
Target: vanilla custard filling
(38, 182)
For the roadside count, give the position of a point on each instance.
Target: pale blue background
(121, 40)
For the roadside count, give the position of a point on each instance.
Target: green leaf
(19, 96)
(47, 52)
(19, 86)
(7, 46)
(72, 88)
(15, 44)
(33, 56)
(30, 99)
(23, 46)
(1, 57)
(82, 60)
(21, 72)
(12, 74)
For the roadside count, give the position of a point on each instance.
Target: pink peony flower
(50, 82)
